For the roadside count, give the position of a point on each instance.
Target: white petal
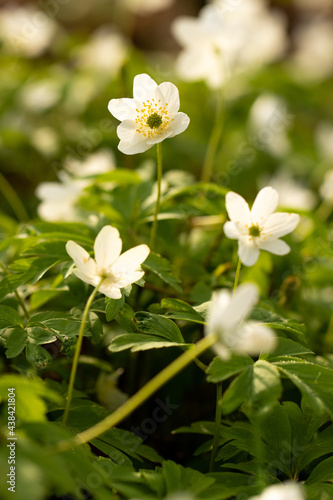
(241, 304)
(126, 131)
(158, 138)
(217, 310)
(186, 30)
(179, 124)
(143, 87)
(126, 279)
(110, 290)
(122, 109)
(231, 231)
(277, 247)
(130, 261)
(264, 205)
(93, 280)
(107, 248)
(280, 224)
(82, 259)
(129, 148)
(237, 208)
(195, 64)
(171, 96)
(248, 254)
(254, 338)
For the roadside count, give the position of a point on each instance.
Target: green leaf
(258, 387)
(16, 342)
(181, 310)
(29, 395)
(287, 348)
(314, 381)
(320, 445)
(323, 472)
(162, 268)
(157, 325)
(9, 317)
(37, 356)
(113, 306)
(120, 176)
(34, 268)
(140, 342)
(220, 369)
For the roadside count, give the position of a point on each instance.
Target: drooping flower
(117, 271)
(284, 491)
(259, 228)
(226, 317)
(150, 117)
(227, 39)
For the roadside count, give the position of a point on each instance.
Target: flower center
(254, 230)
(154, 120)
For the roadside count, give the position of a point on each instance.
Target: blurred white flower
(313, 59)
(326, 189)
(117, 271)
(226, 41)
(59, 199)
(100, 162)
(150, 117)
(40, 95)
(45, 140)
(226, 318)
(269, 121)
(286, 491)
(26, 30)
(105, 51)
(324, 140)
(108, 393)
(259, 228)
(146, 6)
(292, 194)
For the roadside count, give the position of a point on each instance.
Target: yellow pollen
(152, 119)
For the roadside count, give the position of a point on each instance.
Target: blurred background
(62, 61)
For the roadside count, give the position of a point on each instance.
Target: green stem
(13, 200)
(218, 416)
(77, 353)
(139, 398)
(157, 205)
(237, 275)
(214, 140)
(17, 295)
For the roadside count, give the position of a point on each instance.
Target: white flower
(224, 41)
(226, 318)
(59, 199)
(105, 51)
(292, 194)
(145, 6)
(26, 30)
(150, 117)
(269, 121)
(313, 60)
(118, 271)
(259, 228)
(100, 162)
(287, 491)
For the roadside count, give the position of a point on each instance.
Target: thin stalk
(138, 398)
(77, 353)
(214, 140)
(157, 205)
(237, 275)
(14, 201)
(218, 416)
(17, 295)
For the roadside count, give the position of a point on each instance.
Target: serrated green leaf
(323, 472)
(177, 309)
(141, 342)
(9, 317)
(113, 306)
(154, 324)
(162, 268)
(220, 369)
(16, 342)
